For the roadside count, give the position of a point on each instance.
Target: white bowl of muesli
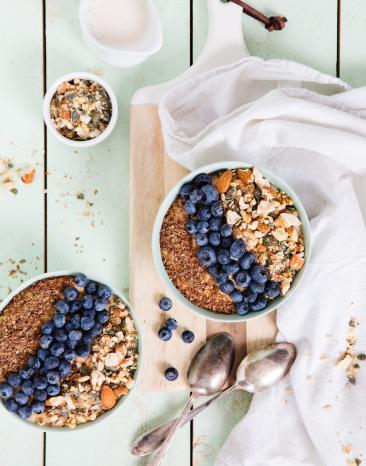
(80, 109)
(231, 241)
(69, 351)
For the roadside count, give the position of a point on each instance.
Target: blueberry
(165, 334)
(75, 335)
(51, 363)
(201, 239)
(27, 372)
(204, 213)
(14, 380)
(53, 377)
(40, 395)
(28, 387)
(102, 317)
(196, 196)
(223, 256)
(256, 287)
(6, 391)
(210, 194)
(187, 336)
(75, 321)
(96, 330)
(191, 226)
(100, 304)
(62, 307)
(91, 287)
(242, 308)
(259, 304)
(24, 412)
(250, 296)
(231, 268)
(202, 178)
(38, 407)
(215, 224)
(57, 349)
(45, 341)
(75, 306)
(81, 280)
(21, 398)
(87, 302)
(221, 277)
(11, 405)
(259, 273)
(104, 292)
(83, 351)
(60, 335)
(171, 324)
(242, 279)
(236, 296)
(226, 230)
(87, 338)
(88, 313)
(43, 354)
(70, 293)
(165, 304)
(272, 289)
(64, 368)
(227, 287)
(237, 249)
(214, 238)
(207, 256)
(68, 326)
(171, 374)
(72, 344)
(34, 362)
(248, 259)
(190, 208)
(214, 270)
(185, 191)
(48, 328)
(203, 227)
(69, 355)
(53, 390)
(217, 209)
(59, 320)
(226, 242)
(87, 323)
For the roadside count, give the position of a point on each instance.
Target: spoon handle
(154, 438)
(160, 455)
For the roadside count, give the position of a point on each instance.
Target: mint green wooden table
(47, 226)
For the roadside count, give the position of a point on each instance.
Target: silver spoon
(260, 370)
(207, 374)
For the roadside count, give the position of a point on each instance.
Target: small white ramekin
(4, 412)
(272, 305)
(47, 103)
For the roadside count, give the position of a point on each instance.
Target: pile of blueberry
(78, 320)
(235, 270)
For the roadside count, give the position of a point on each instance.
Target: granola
(81, 109)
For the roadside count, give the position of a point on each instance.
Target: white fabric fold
(310, 129)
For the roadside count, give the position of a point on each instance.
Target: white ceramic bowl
(4, 412)
(130, 55)
(47, 103)
(275, 180)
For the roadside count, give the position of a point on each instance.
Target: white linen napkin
(310, 129)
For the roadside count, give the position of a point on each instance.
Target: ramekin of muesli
(69, 351)
(80, 109)
(231, 241)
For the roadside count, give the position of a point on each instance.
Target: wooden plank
(103, 228)
(152, 176)
(309, 39)
(21, 254)
(353, 36)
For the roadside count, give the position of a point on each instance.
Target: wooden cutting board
(152, 175)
